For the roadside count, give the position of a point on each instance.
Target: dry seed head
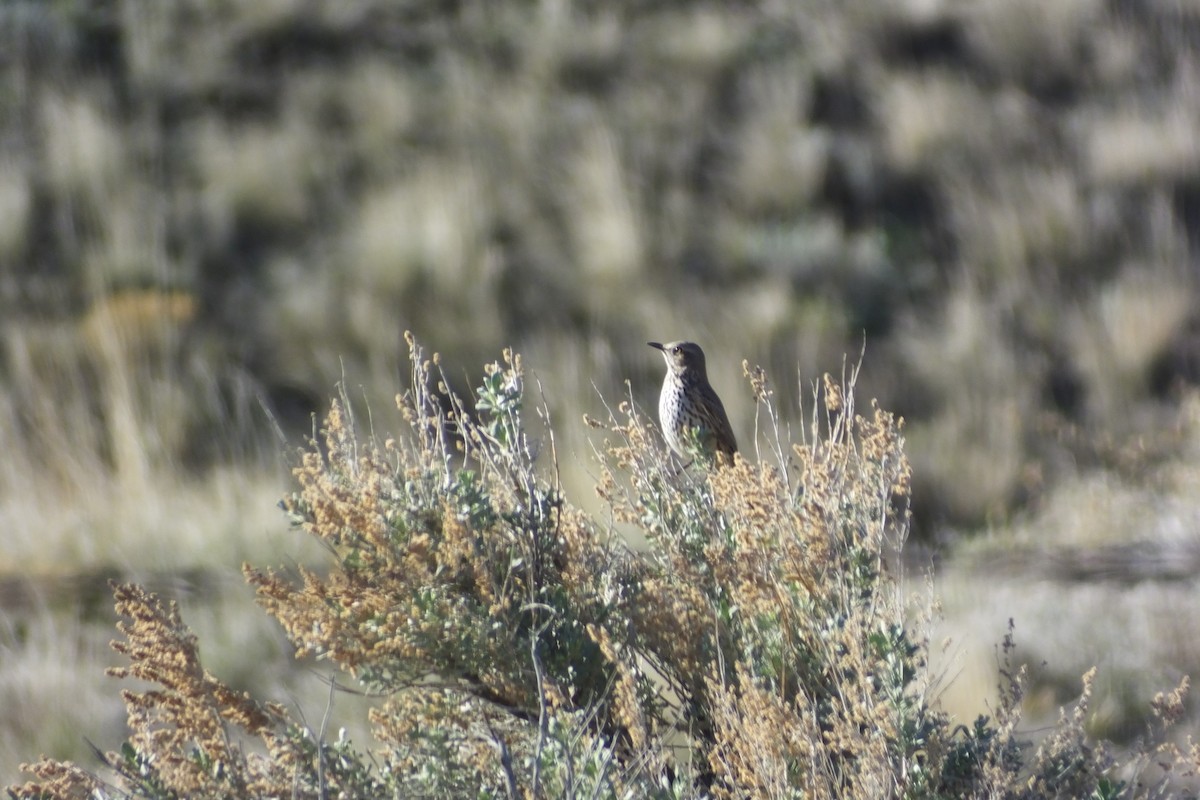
(760, 385)
(833, 394)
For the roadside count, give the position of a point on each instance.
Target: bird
(689, 410)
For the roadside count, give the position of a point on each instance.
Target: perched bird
(688, 409)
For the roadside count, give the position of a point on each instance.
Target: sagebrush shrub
(759, 646)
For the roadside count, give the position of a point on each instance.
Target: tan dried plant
(193, 736)
(761, 645)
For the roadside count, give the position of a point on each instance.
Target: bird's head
(683, 358)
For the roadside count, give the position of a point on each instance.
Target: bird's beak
(656, 345)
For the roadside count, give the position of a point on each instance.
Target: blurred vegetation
(213, 212)
(1000, 196)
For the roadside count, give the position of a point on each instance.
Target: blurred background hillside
(211, 212)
